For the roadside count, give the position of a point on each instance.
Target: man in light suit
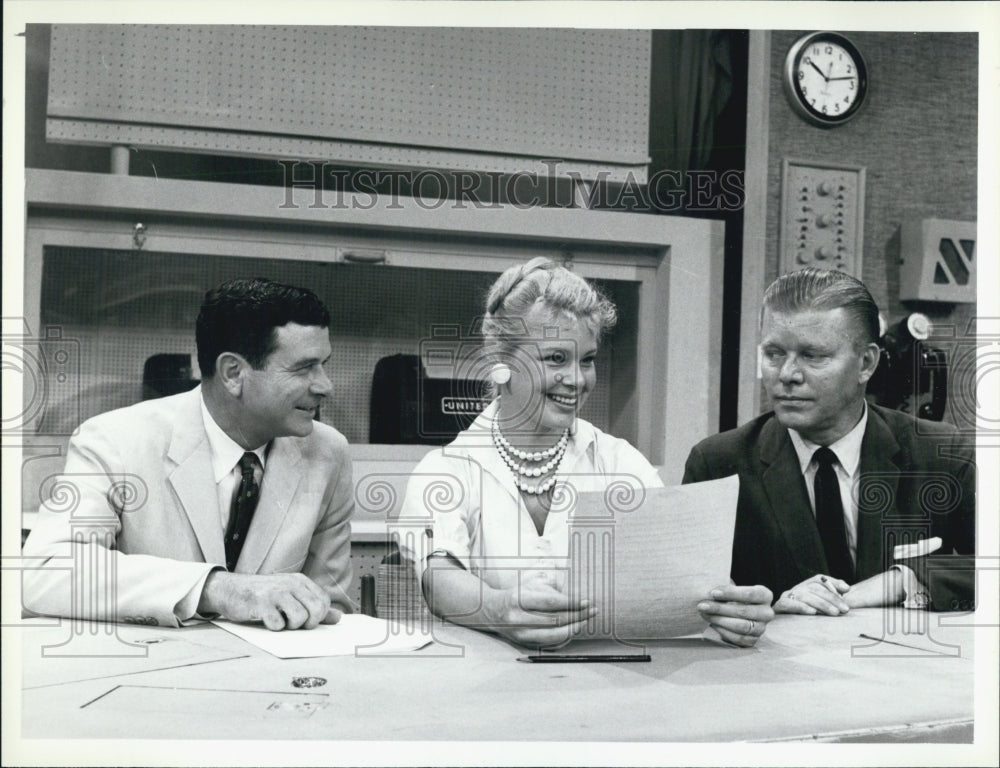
(830, 486)
(228, 500)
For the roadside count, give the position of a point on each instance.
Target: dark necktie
(241, 512)
(830, 516)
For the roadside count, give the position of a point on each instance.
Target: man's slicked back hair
(820, 289)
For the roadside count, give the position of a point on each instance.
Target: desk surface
(809, 677)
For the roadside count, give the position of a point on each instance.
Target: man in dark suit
(841, 504)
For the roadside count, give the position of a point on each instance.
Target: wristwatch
(915, 595)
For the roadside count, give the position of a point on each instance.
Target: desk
(809, 677)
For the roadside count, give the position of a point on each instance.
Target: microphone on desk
(368, 595)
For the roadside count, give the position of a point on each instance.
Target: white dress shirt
(480, 518)
(226, 455)
(847, 469)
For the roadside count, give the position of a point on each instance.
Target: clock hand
(813, 65)
(849, 77)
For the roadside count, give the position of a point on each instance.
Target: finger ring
(753, 626)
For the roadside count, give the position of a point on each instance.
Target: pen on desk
(901, 645)
(578, 658)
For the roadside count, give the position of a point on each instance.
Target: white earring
(500, 374)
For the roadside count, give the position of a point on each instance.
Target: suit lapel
(192, 478)
(878, 483)
(281, 480)
(788, 500)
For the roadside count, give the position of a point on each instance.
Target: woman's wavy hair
(540, 282)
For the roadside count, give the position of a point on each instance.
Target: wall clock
(826, 78)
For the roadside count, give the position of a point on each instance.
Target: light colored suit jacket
(132, 525)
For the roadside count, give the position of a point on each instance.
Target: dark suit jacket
(917, 480)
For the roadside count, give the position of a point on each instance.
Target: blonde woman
(493, 497)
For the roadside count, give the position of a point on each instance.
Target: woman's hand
(820, 594)
(739, 614)
(538, 615)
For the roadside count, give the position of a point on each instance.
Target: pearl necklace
(528, 455)
(521, 471)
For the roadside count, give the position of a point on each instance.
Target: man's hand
(739, 614)
(884, 588)
(538, 615)
(819, 595)
(280, 600)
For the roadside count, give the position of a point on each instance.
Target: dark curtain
(698, 123)
(693, 84)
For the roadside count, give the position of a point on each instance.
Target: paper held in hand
(648, 559)
(354, 635)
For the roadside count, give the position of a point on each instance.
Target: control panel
(822, 216)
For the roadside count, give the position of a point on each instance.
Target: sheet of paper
(354, 635)
(111, 650)
(647, 561)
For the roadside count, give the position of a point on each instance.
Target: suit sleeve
(329, 560)
(950, 576)
(696, 468)
(74, 567)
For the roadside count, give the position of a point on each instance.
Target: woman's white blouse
(465, 495)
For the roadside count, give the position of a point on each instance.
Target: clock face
(826, 78)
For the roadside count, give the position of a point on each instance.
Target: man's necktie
(241, 512)
(830, 516)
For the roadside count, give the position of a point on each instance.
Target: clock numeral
(825, 62)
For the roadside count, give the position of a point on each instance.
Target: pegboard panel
(365, 560)
(568, 94)
(116, 308)
(112, 363)
(349, 152)
(109, 372)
